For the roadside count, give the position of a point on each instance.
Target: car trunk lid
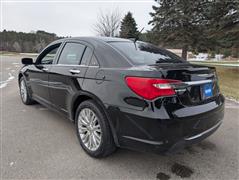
(199, 83)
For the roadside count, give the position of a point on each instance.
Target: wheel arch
(83, 96)
(20, 75)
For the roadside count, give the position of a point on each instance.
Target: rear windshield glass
(144, 53)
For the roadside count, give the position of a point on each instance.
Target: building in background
(179, 53)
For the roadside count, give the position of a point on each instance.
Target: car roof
(92, 39)
(109, 39)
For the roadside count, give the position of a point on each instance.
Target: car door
(67, 74)
(38, 75)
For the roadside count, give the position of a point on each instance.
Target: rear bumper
(187, 141)
(175, 128)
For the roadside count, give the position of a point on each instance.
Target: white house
(202, 57)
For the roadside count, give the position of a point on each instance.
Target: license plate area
(207, 91)
(198, 93)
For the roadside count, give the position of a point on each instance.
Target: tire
(26, 98)
(99, 127)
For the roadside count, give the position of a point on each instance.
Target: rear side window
(71, 54)
(94, 61)
(87, 55)
(141, 53)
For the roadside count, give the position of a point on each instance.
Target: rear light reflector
(151, 88)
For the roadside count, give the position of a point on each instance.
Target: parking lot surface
(37, 143)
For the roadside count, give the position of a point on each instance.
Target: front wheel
(93, 130)
(24, 93)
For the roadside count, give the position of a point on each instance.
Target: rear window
(140, 53)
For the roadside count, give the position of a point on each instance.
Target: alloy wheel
(89, 129)
(23, 91)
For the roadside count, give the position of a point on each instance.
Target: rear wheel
(93, 130)
(24, 93)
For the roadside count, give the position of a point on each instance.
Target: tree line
(25, 42)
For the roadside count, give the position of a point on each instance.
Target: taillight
(150, 88)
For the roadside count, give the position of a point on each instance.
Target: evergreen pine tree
(128, 27)
(179, 22)
(197, 25)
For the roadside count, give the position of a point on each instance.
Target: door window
(71, 54)
(49, 56)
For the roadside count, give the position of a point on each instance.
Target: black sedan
(124, 93)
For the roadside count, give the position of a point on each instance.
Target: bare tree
(108, 23)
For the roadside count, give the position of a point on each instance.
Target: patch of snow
(11, 164)
(11, 77)
(232, 99)
(4, 83)
(15, 63)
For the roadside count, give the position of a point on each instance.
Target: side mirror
(27, 61)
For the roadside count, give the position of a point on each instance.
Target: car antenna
(137, 36)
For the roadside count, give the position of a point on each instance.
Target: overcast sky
(68, 18)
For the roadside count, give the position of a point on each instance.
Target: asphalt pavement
(37, 143)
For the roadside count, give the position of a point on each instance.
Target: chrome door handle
(74, 71)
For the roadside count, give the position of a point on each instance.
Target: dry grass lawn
(229, 81)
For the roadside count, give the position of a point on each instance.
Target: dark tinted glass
(71, 53)
(49, 57)
(145, 53)
(86, 57)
